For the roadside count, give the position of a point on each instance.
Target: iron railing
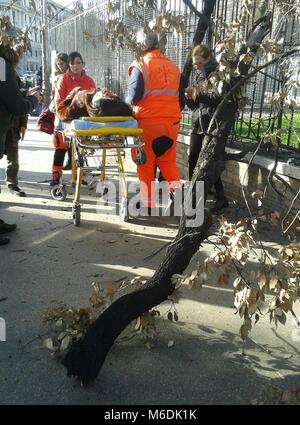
(85, 33)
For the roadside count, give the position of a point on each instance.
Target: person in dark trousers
(12, 102)
(203, 107)
(15, 133)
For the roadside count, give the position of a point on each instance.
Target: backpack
(45, 121)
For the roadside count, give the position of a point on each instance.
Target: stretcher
(96, 137)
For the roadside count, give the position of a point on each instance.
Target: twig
(296, 318)
(260, 346)
(244, 79)
(240, 155)
(197, 13)
(182, 237)
(271, 174)
(149, 257)
(3, 299)
(34, 339)
(291, 206)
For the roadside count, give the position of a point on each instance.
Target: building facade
(23, 15)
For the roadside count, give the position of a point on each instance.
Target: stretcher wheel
(76, 215)
(59, 192)
(124, 209)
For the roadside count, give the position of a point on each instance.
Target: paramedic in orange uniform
(153, 91)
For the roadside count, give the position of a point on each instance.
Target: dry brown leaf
(262, 280)
(273, 281)
(48, 343)
(138, 324)
(65, 343)
(237, 283)
(244, 332)
(193, 275)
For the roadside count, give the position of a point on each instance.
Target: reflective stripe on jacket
(161, 83)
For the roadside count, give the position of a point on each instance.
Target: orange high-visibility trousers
(160, 138)
(60, 151)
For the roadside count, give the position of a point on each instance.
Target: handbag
(45, 121)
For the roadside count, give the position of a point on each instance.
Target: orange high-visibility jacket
(161, 83)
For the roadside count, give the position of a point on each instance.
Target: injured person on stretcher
(92, 103)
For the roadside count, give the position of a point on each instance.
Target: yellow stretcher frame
(120, 131)
(102, 139)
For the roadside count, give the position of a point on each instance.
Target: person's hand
(188, 93)
(22, 132)
(32, 91)
(39, 96)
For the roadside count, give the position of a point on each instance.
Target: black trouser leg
(219, 189)
(195, 148)
(58, 159)
(69, 151)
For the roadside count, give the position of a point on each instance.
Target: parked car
(28, 79)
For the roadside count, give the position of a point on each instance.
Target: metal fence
(85, 33)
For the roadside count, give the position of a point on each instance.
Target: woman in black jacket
(12, 102)
(203, 107)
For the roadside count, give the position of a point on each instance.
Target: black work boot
(4, 241)
(68, 166)
(16, 190)
(220, 203)
(6, 228)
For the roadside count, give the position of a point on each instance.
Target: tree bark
(203, 23)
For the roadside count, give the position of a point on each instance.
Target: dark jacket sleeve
(182, 99)
(192, 104)
(207, 100)
(204, 100)
(11, 97)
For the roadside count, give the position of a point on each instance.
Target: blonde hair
(201, 51)
(63, 57)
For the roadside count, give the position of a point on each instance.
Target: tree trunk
(202, 26)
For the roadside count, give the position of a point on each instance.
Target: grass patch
(248, 128)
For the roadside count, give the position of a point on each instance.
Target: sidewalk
(50, 260)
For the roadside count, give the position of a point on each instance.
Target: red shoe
(55, 178)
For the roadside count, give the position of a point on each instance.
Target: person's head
(61, 63)
(148, 41)
(75, 63)
(201, 56)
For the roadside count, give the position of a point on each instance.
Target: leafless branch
(240, 155)
(245, 78)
